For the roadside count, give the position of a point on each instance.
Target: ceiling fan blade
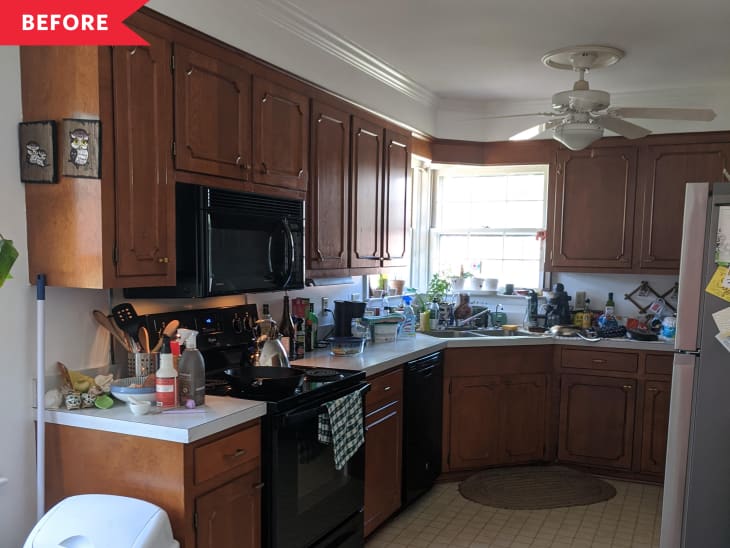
(497, 116)
(698, 114)
(535, 131)
(622, 127)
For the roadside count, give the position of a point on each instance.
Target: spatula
(126, 317)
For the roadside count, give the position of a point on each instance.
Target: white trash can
(102, 521)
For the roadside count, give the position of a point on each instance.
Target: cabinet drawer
(384, 388)
(227, 453)
(607, 361)
(659, 364)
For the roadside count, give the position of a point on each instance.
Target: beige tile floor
(443, 518)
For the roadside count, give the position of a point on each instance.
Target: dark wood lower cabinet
(230, 516)
(522, 418)
(383, 449)
(596, 420)
(656, 425)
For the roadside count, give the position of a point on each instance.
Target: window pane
(526, 187)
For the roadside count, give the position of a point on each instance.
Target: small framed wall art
(38, 152)
(81, 148)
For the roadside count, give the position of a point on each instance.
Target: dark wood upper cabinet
(212, 113)
(594, 209)
(366, 194)
(395, 211)
(329, 182)
(144, 181)
(664, 170)
(280, 136)
(597, 421)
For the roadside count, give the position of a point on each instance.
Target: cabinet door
(396, 221)
(144, 180)
(522, 418)
(212, 114)
(329, 183)
(664, 171)
(594, 209)
(366, 194)
(656, 424)
(383, 463)
(230, 516)
(474, 422)
(280, 136)
(596, 420)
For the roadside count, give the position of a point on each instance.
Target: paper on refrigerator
(722, 321)
(722, 246)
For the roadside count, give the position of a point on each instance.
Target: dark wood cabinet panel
(329, 183)
(280, 136)
(664, 170)
(366, 194)
(474, 422)
(522, 418)
(144, 181)
(656, 425)
(230, 516)
(212, 114)
(596, 420)
(395, 210)
(383, 462)
(594, 209)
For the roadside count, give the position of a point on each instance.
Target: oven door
(307, 497)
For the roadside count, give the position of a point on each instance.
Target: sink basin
(492, 332)
(503, 333)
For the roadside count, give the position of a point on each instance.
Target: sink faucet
(473, 317)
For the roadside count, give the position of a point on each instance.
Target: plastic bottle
(191, 369)
(166, 378)
(433, 315)
(409, 324)
(311, 325)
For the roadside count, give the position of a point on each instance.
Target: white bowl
(121, 390)
(141, 407)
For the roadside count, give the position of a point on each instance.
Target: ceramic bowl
(140, 407)
(121, 389)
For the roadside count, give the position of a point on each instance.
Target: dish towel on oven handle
(341, 424)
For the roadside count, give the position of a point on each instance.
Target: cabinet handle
(258, 486)
(236, 454)
(264, 169)
(163, 260)
(598, 361)
(386, 388)
(301, 172)
(627, 387)
(238, 160)
(652, 389)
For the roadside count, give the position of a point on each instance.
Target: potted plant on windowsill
(438, 287)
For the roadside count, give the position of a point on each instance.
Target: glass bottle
(610, 305)
(287, 330)
(587, 321)
(311, 329)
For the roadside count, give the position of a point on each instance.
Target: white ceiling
(490, 49)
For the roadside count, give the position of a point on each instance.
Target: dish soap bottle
(166, 378)
(191, 370)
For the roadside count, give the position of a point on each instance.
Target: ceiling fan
(580, 115)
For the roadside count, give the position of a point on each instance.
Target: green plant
(438, 287)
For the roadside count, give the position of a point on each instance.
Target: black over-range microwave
(233, 242)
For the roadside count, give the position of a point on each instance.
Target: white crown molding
(295, 20)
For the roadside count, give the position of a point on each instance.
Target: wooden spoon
(169, 330)
(107, 324)
(144, 339)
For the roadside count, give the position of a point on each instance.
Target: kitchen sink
(492, 332)
(454, 334)
(503, 333)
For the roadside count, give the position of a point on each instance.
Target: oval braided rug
(535, 488)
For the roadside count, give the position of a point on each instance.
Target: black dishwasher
(422, 396)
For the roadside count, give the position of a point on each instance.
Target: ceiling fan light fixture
(577, 135)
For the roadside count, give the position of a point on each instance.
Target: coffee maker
(345, 311)
(557, 309)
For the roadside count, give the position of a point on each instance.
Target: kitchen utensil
(144, 339)
(141, 364)
(139, 407)
(564, 331)
(640, 335)
(110, 326)
(122, 389)
(265, 381)
(103, 402)
(126, 317)
(169, 330)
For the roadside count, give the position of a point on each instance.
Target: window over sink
(488, 220)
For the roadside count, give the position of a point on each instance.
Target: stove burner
(323, 375)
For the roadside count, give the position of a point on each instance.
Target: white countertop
(220, 414)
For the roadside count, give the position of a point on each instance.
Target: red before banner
(68, 23)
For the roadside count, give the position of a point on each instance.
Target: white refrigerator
(696, 504)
